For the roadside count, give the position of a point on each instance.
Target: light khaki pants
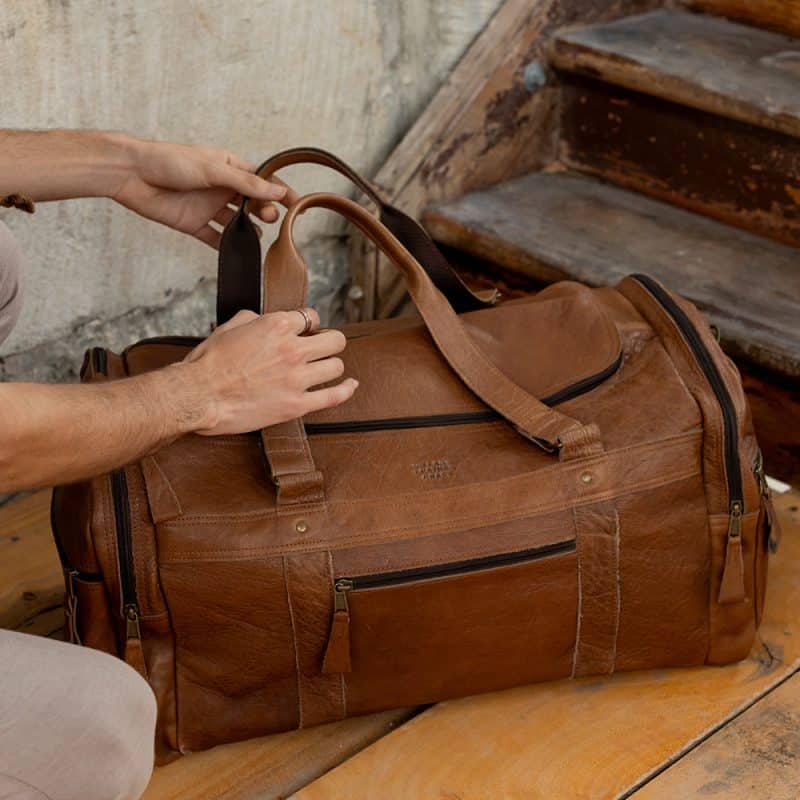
(75, 724)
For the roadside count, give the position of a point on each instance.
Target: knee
(124, 734)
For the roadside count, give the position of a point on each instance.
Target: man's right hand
(255, 371)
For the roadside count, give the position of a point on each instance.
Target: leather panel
(598, 537)
(449, 637)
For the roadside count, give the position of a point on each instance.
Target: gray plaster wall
(347, 75)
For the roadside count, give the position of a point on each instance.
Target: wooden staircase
(677, 154)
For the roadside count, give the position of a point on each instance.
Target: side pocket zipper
(732, 587)
(133, 652)
(337, 654)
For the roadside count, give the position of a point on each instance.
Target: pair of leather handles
(286, 284)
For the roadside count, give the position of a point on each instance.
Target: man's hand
(252, 372)
(258, 371)
(185, 187)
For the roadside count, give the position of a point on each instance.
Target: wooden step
(697, 60)
(725, 169)
(552, 226)
(780, 15)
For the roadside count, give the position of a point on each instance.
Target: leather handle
(546, 427)
(239, 275)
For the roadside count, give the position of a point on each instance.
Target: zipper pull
(134, 652)
(337, 653)
(731, 589)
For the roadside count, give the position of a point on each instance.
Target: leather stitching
(299, 676)
(395, 533)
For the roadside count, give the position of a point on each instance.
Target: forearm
(53, 434)
(62, 164)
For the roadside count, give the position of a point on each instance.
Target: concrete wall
(347, 75)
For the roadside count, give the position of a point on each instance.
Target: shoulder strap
(239, 276)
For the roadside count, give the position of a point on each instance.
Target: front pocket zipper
(337, 652)
(732, 587)
(133, 654)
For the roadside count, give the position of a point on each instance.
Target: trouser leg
(75, 724)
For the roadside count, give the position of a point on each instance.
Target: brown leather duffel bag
(560, 485)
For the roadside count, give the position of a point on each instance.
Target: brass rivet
(586, 477)
(301, 526)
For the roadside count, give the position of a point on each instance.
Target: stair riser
(778, 15)
(742, 175)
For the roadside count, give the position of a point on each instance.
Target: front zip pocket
(337, 657)
(133, 652)
(732, 589)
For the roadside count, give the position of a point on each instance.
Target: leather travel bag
(560, 485)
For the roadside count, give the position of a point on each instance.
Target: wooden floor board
(756, 755)
(593, 739)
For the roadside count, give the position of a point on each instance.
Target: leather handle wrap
(239, 275)
(548, 428)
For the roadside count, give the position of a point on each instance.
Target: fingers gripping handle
(551, 430)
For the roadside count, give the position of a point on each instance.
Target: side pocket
(87, 612)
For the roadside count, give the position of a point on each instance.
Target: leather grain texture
(523, 492)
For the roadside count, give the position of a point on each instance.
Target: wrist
(194, 408)
(116, 157)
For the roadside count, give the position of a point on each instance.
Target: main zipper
(337, 653)
(732, 586)
(461, 418)
(127, 575)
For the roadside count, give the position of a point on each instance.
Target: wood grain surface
(31, 582)
(781, 15)
(698, 60)
(725, 169)
(593, 739)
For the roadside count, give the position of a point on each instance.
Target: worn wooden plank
(31, 583)
(272, 767)
(561, 225)
(775, 404)
(484, 125)
(593, 739)
(756, 755)
(780, 15)
(725, 169)
(700, 61)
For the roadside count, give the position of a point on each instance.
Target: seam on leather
(579, 623)
(294, 642)
(167, 482)
(402, 500)
(395, 533)
(617, 587)
(342, 682)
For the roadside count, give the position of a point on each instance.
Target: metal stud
(301, 526)
(587, 477)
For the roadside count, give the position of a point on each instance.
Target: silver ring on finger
(308, 321)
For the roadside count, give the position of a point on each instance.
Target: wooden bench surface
(731, 732)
